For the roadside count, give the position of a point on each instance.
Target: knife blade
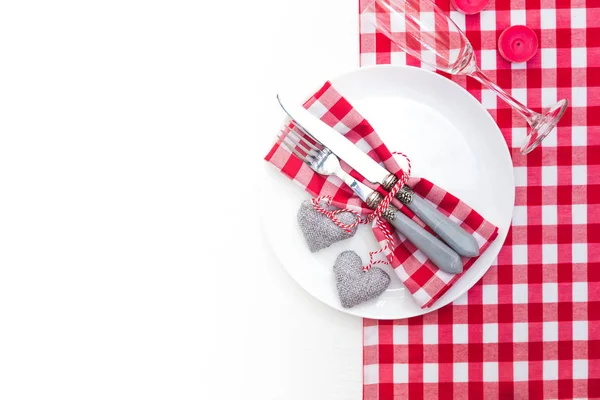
(454, 235)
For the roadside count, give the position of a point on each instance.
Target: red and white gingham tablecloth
(530, 329)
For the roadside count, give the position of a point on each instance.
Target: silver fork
(321, 160)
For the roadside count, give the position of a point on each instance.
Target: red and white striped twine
(376, 214)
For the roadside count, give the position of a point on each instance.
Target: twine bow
(375, 215)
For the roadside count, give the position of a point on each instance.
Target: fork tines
(299, 142)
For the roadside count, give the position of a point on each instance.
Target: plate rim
(499, 241)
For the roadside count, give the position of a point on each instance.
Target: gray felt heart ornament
(318, 230)
(354, 285)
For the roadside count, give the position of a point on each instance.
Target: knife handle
(437, 251)
(449, 231)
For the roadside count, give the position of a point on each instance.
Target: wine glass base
(544, 125)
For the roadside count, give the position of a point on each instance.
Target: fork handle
(437, 251)
(449, 231)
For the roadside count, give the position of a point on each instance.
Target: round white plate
(451, 140)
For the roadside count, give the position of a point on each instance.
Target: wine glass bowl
(424, 31)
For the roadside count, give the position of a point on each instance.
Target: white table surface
(132, 265)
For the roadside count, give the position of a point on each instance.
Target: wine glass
(425, 32)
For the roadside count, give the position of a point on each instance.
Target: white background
(132, 265)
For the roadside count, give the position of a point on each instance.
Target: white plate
(451, 140)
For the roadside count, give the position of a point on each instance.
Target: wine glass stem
(529, 115)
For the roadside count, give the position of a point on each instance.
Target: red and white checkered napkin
(530, 329)
(423, 279)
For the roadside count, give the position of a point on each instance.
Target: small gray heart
(318, 230)
(354, 285)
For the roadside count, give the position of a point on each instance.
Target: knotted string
(375, 215)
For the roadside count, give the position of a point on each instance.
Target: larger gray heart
(354, 285)
(318, 230)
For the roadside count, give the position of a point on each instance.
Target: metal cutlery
(449, 231)
(320, 159)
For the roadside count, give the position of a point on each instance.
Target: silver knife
(321, 160)
(450, 232)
